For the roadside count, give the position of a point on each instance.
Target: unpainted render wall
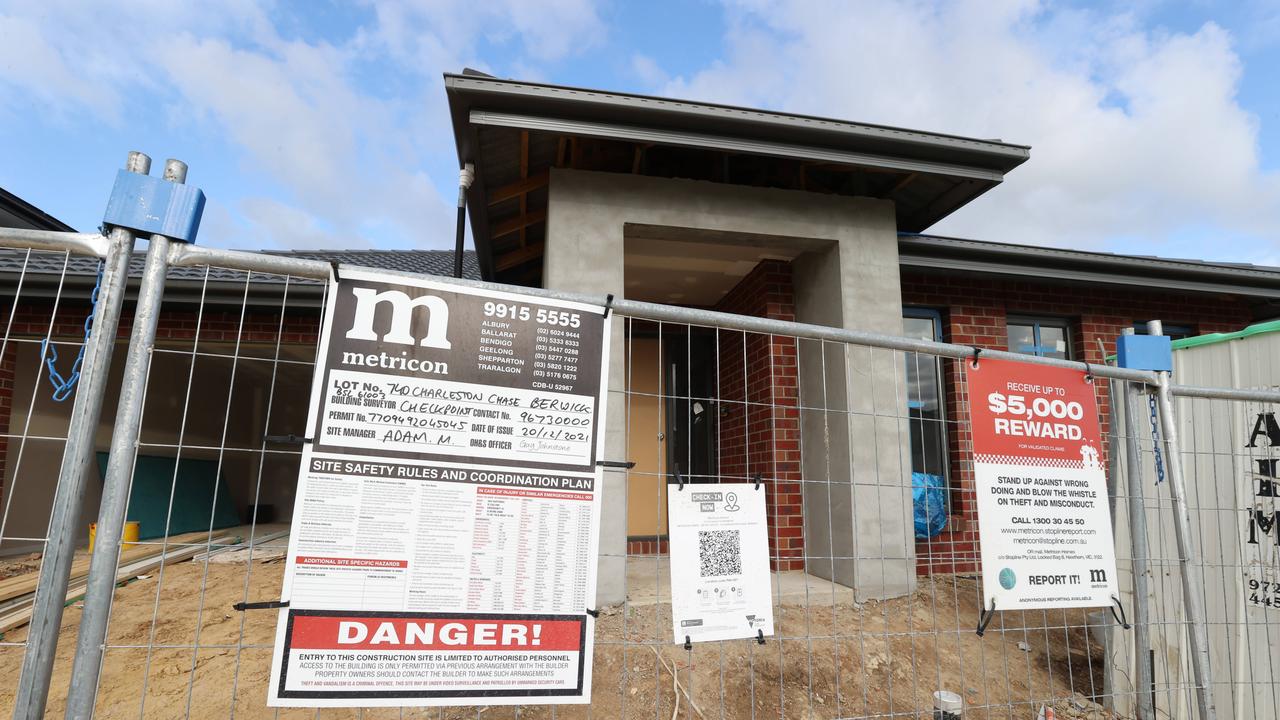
(848, 277)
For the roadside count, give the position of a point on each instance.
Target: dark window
(1175, 332)
(1046, 337)
(925, 408)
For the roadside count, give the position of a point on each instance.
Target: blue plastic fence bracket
(152, 206)
(1145, 352)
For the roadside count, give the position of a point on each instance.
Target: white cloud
(337, 139)
(1135, 133)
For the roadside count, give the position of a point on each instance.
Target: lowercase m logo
(402, 309)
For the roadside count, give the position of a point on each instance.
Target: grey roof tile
(424, 262)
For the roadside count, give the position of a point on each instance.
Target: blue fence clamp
(1145, 352)
(153, 206)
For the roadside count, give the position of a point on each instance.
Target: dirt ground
(20, 566)
(827, 661)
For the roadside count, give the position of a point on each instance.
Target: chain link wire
(64, 387)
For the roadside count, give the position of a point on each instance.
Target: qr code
(719, 553)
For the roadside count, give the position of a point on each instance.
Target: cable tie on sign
(758, 477)
(289, 439)
(688, 643)
(1120, 618)
(984, 618)
(267, 605)
(333, 264)
(620, 464)
(593, 612)
(759, 636)
(679, 479)
(608, 305)
(1088, 372)
(976, 352)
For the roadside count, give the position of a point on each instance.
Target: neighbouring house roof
(985, 257)
(39, 274)
(514, 132)
(18, 213)
(927, 252)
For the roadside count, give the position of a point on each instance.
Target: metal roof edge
(921, 244)
(1044, 273)
(1261, 328)
(37, 217)
(1007, 155)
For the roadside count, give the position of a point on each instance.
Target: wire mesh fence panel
(45, 302)
(1229, 459)
(862, 455)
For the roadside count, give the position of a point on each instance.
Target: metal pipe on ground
(119, 475)
(77, 457)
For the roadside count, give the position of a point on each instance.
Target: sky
(1154, 126)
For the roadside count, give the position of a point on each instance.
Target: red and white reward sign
(380, 656)
(1043, 518)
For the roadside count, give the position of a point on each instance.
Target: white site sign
(445, 530)
(719, 562)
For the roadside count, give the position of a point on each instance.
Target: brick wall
(974, 312)
(759, 422)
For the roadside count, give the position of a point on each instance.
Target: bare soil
(184, 652)
(13, 567)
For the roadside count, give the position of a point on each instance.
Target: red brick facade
(974, 312)
(759, 425)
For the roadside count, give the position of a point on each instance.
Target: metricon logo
(402, 309)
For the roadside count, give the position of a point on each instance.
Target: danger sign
(445, 530)
(441, 656)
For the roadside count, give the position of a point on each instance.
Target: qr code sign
(719, 553)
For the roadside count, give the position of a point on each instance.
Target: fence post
(1197, 632)
(119, 476)
(77, 458)
(1140, 552)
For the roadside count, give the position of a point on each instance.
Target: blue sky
(1154, 126)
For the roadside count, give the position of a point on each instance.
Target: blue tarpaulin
(929, 504)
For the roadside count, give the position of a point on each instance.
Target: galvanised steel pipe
(77, 457)
(76, 243)
(1188, 558)
(118, 478)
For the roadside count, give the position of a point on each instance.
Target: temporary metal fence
(830, 422)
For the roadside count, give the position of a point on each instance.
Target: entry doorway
(673, 415)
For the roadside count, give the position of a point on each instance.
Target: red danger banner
(1043, 514)
(446, 658)
(419, 633)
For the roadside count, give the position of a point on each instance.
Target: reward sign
(1043, 517)
(445, 530)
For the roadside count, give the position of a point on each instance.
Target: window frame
(935, 315)
(1175, 331)
(1037, 322)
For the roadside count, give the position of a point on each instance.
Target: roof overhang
(515, 131)
(973, 256)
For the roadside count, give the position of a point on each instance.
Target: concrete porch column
(855, 446)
